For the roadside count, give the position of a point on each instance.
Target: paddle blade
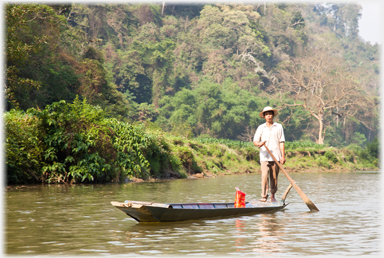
(305, 198)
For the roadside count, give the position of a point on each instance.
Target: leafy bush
(358, 138)
(73, 143)
(175, 163)
(323, 162)
(330, 155)
(368, 156)
(24, 149)
(373, 148)
(195, 167)
(158, 153)
(333, 137)
(251, 153)
(185, 155)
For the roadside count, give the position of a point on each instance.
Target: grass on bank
(223, 156)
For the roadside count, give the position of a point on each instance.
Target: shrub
(23, 148)
(218, 151)
(358, 138)
(373, 148)
(195, 167)
(158, 153)
(230, 155)
(323, 162)
(73, 143)
(251, 153)
(155, 167)
(185, 155)
(330, 155)
(175, 162)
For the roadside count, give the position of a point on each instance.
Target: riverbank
(77, 143)
(200, 158)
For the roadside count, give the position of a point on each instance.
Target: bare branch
(319, 83)
(298, 22)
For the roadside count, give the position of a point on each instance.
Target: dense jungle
(120, 92)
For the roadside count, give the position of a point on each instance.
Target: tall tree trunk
(321, 128)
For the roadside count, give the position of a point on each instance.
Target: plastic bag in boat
(240, 199)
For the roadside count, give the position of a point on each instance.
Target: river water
(48, 220)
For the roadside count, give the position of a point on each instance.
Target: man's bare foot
(264, 199)
(273, 199)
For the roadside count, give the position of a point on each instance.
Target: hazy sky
(370, 24)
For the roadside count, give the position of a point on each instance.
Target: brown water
(79, 219)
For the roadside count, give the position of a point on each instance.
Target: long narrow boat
(160, 212)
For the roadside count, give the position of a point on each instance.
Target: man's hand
(282, 160)
(260, 144)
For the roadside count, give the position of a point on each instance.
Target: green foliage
(38, 71)
(76, 143)
(144, 69)
(358, 138)
(251, 153)
(302, 144)
(193, 70)
(219, 111)
(330, 155)
(373, 148)
(333, 137)
(80, 130)
(185, 155)
(228, 142)
(158, 152)
(323, 162)
(363, 155)
(44, 64)
(175, 163)
(93, 53)
(24, 149)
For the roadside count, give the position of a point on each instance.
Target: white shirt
(273, 136)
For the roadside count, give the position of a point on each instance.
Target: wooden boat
(171, 212)
(160, 212)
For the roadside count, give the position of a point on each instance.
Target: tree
(30, 35)
(322, 84)
(219, 110)
(40, 65)
(145, 70)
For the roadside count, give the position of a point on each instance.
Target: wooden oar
(303, 196)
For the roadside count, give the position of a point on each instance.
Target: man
(271, 134)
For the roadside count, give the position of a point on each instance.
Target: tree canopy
(208, 69)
